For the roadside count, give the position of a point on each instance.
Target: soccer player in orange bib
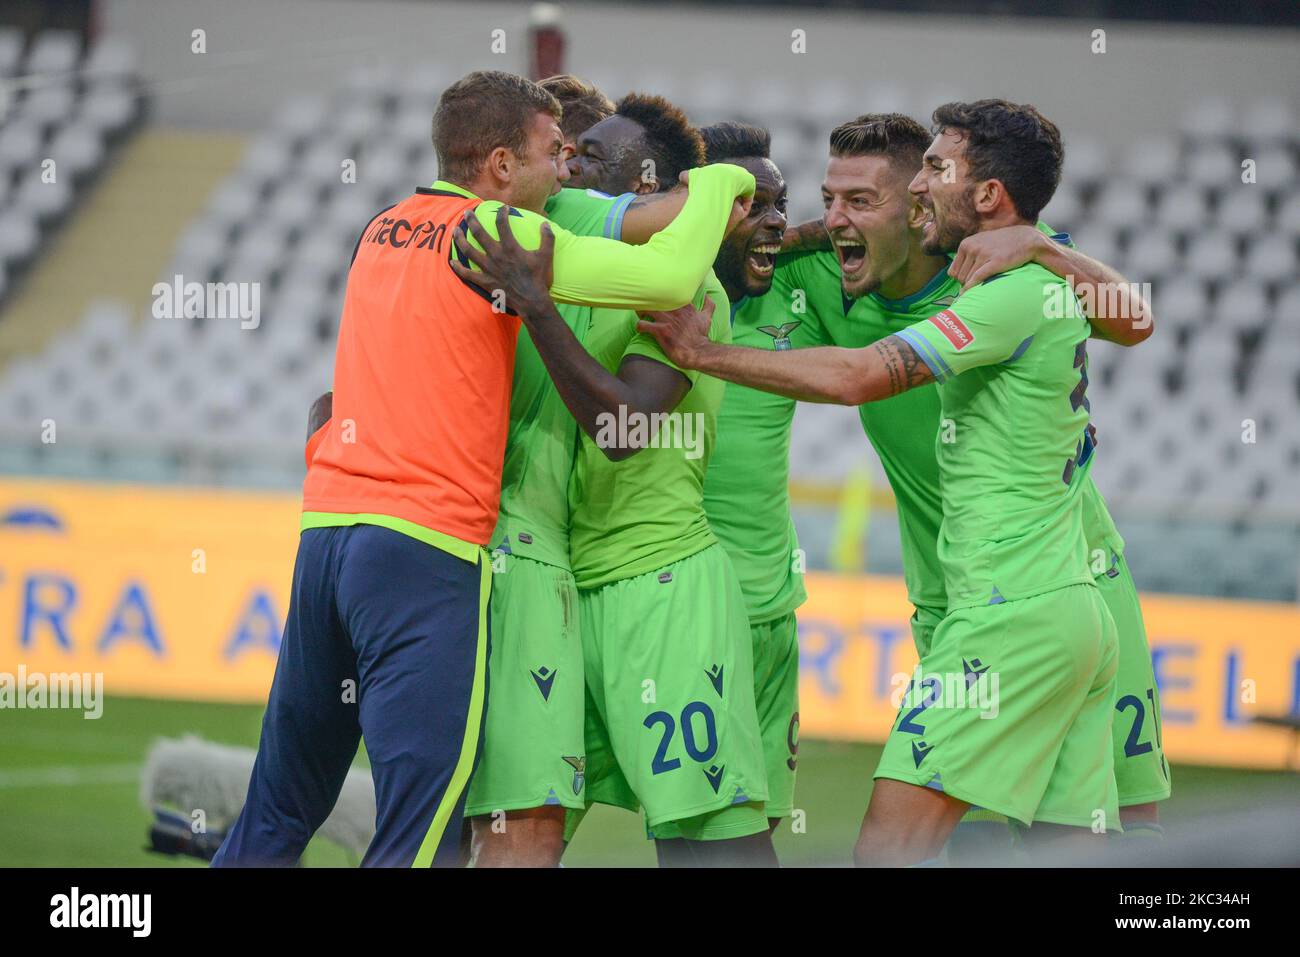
(387, 632)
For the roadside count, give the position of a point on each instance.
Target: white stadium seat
(1182, 208)
(1212, 255)
(1242, 210)
(53, 51)
(11, 50)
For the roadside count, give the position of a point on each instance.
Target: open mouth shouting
(927, 224)
(852, 253)
(760, 258)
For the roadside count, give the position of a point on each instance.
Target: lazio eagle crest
(579, 765)
(781, 334)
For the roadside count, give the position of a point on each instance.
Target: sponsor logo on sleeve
(953, 329)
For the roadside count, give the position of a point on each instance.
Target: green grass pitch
(68, 791)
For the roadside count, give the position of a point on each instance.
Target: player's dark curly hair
(584, 103)
(672, 143)
(896, 136)
(729, 140)
(1009, 142)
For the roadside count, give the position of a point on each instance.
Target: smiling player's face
(608, 158)
(539, 171)
(945, 190)
(867, 215)
(747, 259)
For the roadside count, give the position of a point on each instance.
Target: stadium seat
(1065, 211)
(1212, 255)
(49, 105)
(21, 144)
(1182, 208)
(1152, 252)
(53, 51)
(11, 50)
(267, 158)
(19, 235)
(1183, 301)
(1122, 204)
(1242, 306)
(1087, 161)
(1214, 166)
(1242, 210)
(1268, 121)
(1288, 216)
(1271, 258)
(1208, 118)
(1275, 170)
(1153, 161)
(77, 149)
(1285, 313)
(1098, 240)
(45, 200)
(111, 58)
(110, 106)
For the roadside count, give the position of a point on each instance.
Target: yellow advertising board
(182, 593)
(1217, 664)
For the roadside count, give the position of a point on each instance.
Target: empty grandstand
(1203, 419)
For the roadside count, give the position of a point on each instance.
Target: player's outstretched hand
(682, 332)
(517, 278)
(989, 253)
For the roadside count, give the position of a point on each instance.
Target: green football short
(671, 723)
(925, 619)
(1010, 710)
(775, 646)
(1141, 772)
(533, 739)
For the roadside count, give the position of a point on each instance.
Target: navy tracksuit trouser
(386, 639)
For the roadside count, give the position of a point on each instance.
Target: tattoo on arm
(903, 366)
(806, 237)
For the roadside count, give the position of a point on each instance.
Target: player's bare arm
(588, 389)
(806, 237)
(1114, 306)
(648, 214)
(320, 413)
(823, 374)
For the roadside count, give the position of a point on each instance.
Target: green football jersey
(747, 486)
(635, 516)
(1012, 377)
(589, 212)
(904, 430)
(542, 439)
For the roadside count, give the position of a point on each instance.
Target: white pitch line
(68, 775)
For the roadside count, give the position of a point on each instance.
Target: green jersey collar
(937, 282)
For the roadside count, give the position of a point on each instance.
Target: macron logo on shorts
(953, 329)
